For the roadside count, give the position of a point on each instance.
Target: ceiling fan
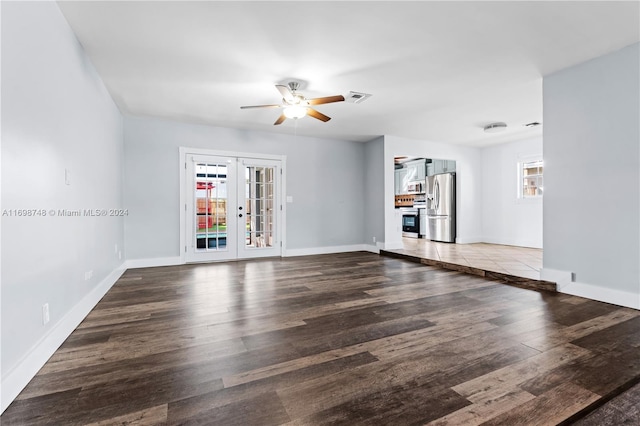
(296, 105)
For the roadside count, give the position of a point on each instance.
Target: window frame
(521, 165)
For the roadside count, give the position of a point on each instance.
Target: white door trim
(182, 159)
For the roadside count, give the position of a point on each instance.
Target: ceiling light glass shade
(295, 111)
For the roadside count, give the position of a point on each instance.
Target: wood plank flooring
(352, 338)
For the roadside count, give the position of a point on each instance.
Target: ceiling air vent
(356, 97)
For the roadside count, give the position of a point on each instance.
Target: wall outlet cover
(45, 314)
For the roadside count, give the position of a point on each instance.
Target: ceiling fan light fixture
(295, 111)
(295, 105)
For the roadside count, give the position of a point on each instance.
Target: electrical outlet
(119, 255)
(88, 275)
(45, 313)
(374, 239)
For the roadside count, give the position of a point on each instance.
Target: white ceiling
(437, 70)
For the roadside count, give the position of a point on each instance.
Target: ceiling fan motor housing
(293, 85)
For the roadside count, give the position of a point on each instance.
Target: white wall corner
(19, 376)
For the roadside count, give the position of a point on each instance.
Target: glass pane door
(210, 222)
(211, 206)
(258, 234)
(232, 209)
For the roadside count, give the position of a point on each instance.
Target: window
(530, 183)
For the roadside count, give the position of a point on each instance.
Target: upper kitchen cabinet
(436, 167)
(399, 178)
(420, 169)
(408, 175)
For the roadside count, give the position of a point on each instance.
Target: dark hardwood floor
(351, 338)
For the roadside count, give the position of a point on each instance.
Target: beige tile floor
(518, 261)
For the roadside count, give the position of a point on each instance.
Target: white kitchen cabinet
(413, 171)
(448, 166)
(417, 170)
(421, 170)
(401, 181)
(430, 169)
(442, 166)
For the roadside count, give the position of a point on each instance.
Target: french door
(232, 208)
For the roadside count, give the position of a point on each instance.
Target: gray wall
(592, 173)
(56, 115)
(325, 177)
(374, 191)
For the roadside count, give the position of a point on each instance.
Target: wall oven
(410, 223)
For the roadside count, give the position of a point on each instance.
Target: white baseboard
(154, 261)
(469, 240)
(510, 242)
(603, 294)
(393, 245)
(563, 280)
(325, 250)
(373, 248)
(170, 261)
(20, 375)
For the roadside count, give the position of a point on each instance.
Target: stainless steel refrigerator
(441, 207)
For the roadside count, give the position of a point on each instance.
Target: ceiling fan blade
(261, 106)
(280, 119)
(325, 100)
(317, 114)
(285, 92)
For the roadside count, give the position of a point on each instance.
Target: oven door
(410, 224)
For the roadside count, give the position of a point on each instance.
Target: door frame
(182, 161)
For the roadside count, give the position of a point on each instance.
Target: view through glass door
(232, 208)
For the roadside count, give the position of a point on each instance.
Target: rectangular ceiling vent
(356, 97)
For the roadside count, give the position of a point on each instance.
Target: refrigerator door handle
(437, 195)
